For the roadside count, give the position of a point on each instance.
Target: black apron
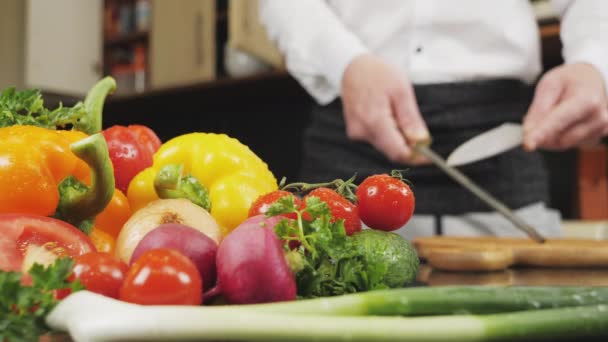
(453, 112)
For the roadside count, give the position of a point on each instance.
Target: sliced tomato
(27, 239)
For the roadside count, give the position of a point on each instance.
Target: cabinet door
(63, 45)
(182, 42)
(12, 21)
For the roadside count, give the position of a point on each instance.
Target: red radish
(251, 266)
(189, 241)
(262, 221)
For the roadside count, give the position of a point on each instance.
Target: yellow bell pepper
(233, 174)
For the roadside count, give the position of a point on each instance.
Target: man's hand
(380, 108)
(570, 108)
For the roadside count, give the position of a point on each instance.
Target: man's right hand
(380, 108)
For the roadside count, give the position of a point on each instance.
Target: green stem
(346, 188)
(77, 206)
(168, 179)
(170, 183)
(93, 105)
(302, 238)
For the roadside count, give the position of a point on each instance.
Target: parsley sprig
(328, 262)
(23, 308)
(26, 107)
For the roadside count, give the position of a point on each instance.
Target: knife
(424, 149)
(488, 144)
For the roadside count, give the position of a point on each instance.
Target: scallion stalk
(550, 313)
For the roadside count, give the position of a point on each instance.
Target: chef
(389, 73)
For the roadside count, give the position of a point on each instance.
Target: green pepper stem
(171, 183)
(93, 105)
(79, 206)
(168, 179)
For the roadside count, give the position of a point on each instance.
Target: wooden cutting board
(517, 277)
(494, 253)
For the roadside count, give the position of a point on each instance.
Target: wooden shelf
(128, 39)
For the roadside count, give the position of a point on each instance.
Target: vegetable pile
(200, 220)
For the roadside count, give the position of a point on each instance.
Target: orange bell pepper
(102, 241)
(35, 161)
(46, 171)
(114, 216)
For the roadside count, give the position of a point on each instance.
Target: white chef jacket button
(418, 49)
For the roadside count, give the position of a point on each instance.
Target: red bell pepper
(131, 149)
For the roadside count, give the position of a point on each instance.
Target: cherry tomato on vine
(99, 272)
(163, 277)
(262, 203)
(385, 202)
(340, 208)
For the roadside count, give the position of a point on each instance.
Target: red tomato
(340, 208)
(385, 203)
(100, 273)
(33, 238)
(131, 149)
(261, 204)
(163, 277)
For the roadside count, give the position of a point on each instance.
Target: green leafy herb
(24, 308)
(330, 262)
(26, 107)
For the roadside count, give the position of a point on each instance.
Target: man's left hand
(570, 108)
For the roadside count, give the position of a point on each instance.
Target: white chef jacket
(430, 40)
(435, 41)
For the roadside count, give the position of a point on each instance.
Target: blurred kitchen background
(206, 65)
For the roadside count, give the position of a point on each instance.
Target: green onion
(542, 313)
(418, 301)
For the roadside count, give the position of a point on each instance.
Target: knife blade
(488, 144)
(486, 197)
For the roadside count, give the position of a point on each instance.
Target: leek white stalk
(93, 318)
